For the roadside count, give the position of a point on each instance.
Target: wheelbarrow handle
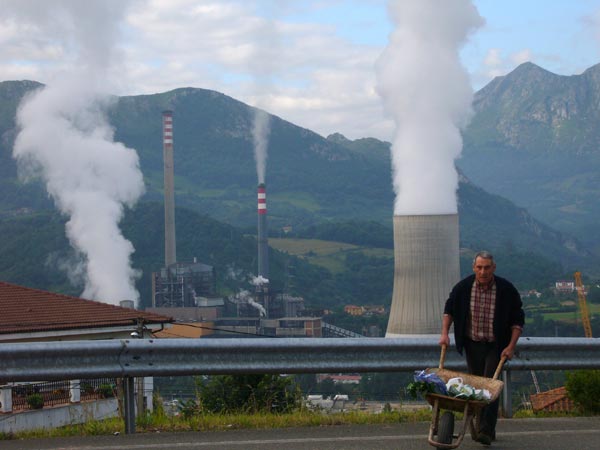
(499, 368)
(443, 355)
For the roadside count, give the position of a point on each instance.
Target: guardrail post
(129, 404)
(75, 391)
(6, 399)
(506, 395)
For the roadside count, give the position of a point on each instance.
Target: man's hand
(508, 352)
(444, 340)
(446, 322)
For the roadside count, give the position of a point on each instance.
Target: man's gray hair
(485, 255)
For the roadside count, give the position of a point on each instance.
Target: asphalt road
(534, 434)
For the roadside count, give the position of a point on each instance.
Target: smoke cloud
(245, 296)
(65, 139)
(427, 92)
(260, 137)
(259, 280)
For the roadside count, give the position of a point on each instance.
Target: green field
(328, 254)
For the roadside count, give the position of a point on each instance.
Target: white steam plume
(260, 138)
(259, 281)
(244, 295)
(66, 140)
(427, 92)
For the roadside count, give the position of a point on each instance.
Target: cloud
(493, 58)
(317, 79)
(521, 56)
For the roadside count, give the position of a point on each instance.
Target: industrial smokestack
(426, 266)
(170, 256)
(263, 244)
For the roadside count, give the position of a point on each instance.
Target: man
(488, 319)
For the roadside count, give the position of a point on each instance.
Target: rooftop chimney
(170, 256)
(426, 266)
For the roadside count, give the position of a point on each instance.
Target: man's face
(484, 270)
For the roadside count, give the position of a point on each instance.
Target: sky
(310, 62)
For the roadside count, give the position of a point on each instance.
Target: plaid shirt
(480, 327)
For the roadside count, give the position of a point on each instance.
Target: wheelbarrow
(441, 430)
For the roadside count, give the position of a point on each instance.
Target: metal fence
(50, 394)
(53, 393)
(97, 388)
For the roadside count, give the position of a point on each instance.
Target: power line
(221, 329)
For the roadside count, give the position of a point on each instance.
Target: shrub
(583, 387)
(86, 388)
(106, 390)
(35, 401)
(189, 408)
(249, 393)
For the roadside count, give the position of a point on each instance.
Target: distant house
(354, 310)
(368, 310)
(564, 286)
(340, 378)
(28, 315)
(374, 310)
(33, 315)
(530, 294)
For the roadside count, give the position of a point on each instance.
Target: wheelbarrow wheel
(446, 428)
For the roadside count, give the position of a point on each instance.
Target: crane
(585, 314)
(585, 318)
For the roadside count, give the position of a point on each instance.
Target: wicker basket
(458, 404)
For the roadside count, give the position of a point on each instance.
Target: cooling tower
(426, 266)
(263, 244)
(170, 256)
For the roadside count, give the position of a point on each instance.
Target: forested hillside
(327, 188)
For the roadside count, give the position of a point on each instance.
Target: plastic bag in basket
(431, 378)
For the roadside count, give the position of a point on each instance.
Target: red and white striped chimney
(263, 244)
(170, 255)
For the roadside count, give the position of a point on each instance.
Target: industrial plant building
(187, 291)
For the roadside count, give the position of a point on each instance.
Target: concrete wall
(59, 416)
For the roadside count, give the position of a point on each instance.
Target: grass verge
(221, 422)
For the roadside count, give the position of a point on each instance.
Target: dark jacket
(508, 311)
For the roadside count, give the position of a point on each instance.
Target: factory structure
(426, 266)
(186, 291)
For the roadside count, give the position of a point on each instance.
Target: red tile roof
(26, 310)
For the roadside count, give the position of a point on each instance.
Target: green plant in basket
(418, 389)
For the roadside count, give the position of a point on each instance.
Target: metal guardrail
(166, 357)
(171, 357)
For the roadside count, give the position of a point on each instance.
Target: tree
(249, 393)
(583, 387)
(593, 294)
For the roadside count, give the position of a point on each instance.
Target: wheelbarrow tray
(471, 409)
(458, 404)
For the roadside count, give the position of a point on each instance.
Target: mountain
(38, 253)
(311, 180)
(535, 140)
(308, 178)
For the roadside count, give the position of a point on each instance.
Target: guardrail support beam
(129, 404)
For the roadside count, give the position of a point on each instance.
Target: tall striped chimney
(263, 244)
(170, 255)
(426, 266)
